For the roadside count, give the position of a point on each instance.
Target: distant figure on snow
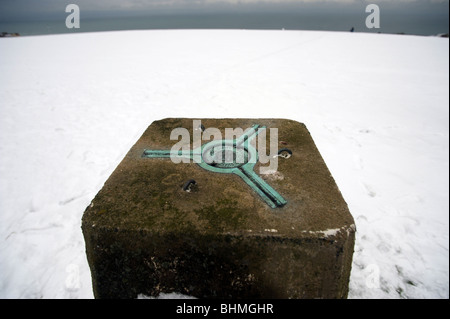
(352, 29)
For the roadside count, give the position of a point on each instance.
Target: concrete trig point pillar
(236, 234)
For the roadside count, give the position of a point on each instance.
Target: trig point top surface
(299, 199)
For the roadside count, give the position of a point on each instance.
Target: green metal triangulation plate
(212, 156)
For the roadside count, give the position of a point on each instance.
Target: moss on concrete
(144, 234)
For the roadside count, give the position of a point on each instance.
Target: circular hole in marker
(285, 153)
(225, 156)
(188, 186)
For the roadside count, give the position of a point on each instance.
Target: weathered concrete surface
(145, 235)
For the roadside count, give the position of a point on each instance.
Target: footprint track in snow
(369, 190)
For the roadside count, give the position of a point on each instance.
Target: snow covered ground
(376, 105)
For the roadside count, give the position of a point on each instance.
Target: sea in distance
(391, 21)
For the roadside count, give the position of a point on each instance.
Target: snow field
(377, 107)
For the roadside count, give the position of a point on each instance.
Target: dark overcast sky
(19, 10)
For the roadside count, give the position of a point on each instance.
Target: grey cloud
(42, 9)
